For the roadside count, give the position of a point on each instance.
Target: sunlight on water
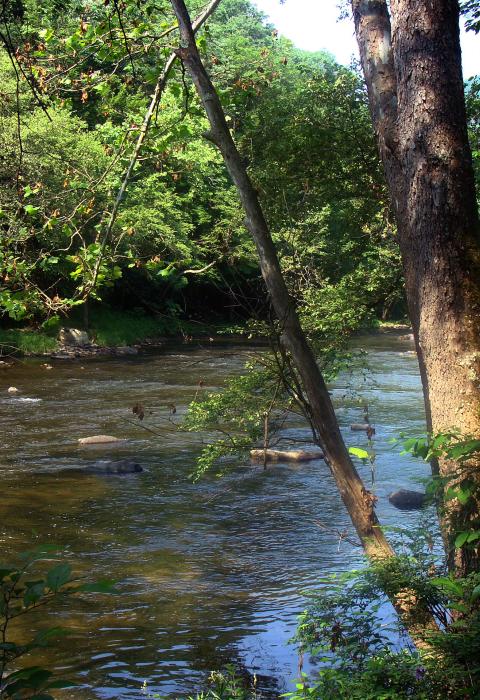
(210, 573)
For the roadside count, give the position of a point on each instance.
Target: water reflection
(211, 572)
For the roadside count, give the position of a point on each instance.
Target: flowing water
(211, 572)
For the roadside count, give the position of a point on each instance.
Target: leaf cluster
(31, 584)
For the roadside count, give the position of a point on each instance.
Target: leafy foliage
(226, 684)
(239, 413)
(251, 409)
(352, 631)
(472, 99)
(25, 587)
(460, 486)
(76, 84)
(471, 11)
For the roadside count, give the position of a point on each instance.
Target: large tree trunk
(414, 81)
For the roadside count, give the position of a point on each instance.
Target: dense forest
(188, 172)
(179, 236)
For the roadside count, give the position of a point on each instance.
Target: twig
(202, 269)
(342, 534)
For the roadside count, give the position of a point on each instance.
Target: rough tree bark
(412, 65)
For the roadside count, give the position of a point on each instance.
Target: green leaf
(58, 576)
(464, 449)
(460, 539)
(410, 444)
(32, 677)
(33, 593)
(475, 593)
(30, 210)
(473, 536)
(43, 638)
(99, 587)
(43, 551)
(464, 495)
(448, 584)
(358, 452)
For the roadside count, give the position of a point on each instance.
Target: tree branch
(156, 97)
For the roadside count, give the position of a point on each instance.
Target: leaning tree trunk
(358, 501)
(414, 79)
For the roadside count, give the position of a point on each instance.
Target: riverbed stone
(121, 466)
(403, 499)
(73, 337)
(126, 350)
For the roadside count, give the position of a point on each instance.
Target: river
(209, 573)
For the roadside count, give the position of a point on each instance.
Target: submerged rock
(360, 426)
(407, 500)
(99, 440)
(285, 455)
(121, 466)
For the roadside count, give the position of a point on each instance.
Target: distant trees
(76, 73)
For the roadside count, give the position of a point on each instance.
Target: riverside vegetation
(117, 215)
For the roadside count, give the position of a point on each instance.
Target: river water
(210, 573)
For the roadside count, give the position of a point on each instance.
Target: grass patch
(109, 327)
(26, 341)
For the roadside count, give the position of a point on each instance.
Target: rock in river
(99, 440)
(122, 466)
(407, 500)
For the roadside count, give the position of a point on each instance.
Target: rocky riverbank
(74, 343)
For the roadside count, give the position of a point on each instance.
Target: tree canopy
(76, 85)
